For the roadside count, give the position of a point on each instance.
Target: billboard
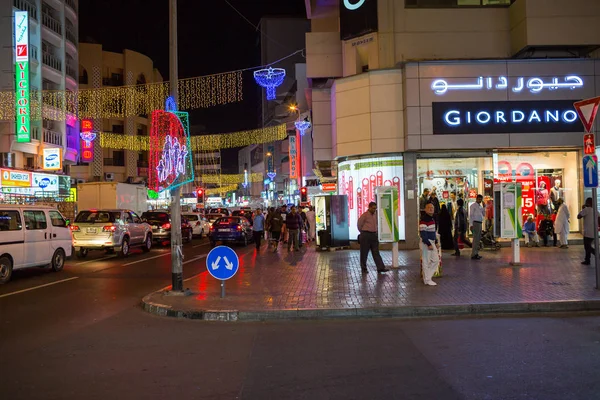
(357, 18)
(358, 179)
(23, 115)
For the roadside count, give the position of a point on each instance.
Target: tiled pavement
(314, 280)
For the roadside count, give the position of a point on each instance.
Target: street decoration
(302, 126)
(232, 179)
(270, 79)
(170, 159)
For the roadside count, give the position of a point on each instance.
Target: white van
(32, 236)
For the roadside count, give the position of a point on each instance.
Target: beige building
(97, 69)
(461, 94)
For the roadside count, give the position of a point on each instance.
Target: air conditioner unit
(73, 181)
(109, 176)
(78, 181)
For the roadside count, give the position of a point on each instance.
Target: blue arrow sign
(222, 262)
(590, 171)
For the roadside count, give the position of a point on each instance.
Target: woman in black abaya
(445, 229)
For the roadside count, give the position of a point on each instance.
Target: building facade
(456, 97)
(104, 69)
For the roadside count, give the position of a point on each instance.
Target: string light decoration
(199, 143)
(221, 189)
(234, 179)
(270, 79)
(170, 156)
(302, 126)
(128, 101)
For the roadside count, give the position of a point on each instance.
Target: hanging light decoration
(270, 79)
(272, 175)
(302, 126)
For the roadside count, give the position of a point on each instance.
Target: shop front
(472, 125)
(18, 186)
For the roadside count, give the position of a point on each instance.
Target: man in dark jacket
(460, 227)
(293, 223)
(274, 225)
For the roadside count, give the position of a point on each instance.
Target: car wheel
(58, 260)
(124, 248)
(6, 268)
(148, 244)
(82, 253)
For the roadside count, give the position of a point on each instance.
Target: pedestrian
(293, 223)
(430, 257)
(460, 227)
(284, 232)
(445, 229)
(367, 226)
(311, 219)
(546, 229)
(561, 225)
(530, 233)
(452, 206)
(423, 200)
(258, 228)
(476, 217)
(589, 230)
(302, 227)
(275, 224)
(433, 199)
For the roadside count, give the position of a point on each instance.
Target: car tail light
(109, 228)
(166, 225)
(212, 228)
(239, 227)
(74, 228)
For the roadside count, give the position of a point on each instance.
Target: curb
(373, 312)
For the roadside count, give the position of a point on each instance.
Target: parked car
(200, 224)
(160, 221)
(110, 230)
(220, 210)
(231, 229)
(244, 213)
(32, 236)
(213, 217)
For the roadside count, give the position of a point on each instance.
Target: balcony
(71, 4)
(71, 37)
(35, 133)
(33, 53)
(142, 164)
(52, 24)
(52, 61)
(72, 72)
(51, 137)
(114, 81)
(111, 162)
(25, 5)
(72, 142)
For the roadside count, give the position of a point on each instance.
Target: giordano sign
(353, 4)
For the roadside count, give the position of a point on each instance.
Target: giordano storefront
(472, 125)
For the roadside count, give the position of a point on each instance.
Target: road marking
(100, 259)
(195, 258)
(200, 245)
(38, 287)
(146, 259)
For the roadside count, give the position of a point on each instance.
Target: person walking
(293, 223)
(476, 217)
(433, 199)
(460, 227)
(303, 226)
(587, 214)
(311, 218)
(423, 200)
(368, 239)
(445, 229)
(258, 228)
(561, 225)
(275, 224)
(284, 232)
(430, 258)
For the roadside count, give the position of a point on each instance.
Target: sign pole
(395, 255)
(596, 263)
(176, 248)
(222, 289)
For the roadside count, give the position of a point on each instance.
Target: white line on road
(200, 245)
(195, 258)
(38, 287)
(145, 259)
(100, 259)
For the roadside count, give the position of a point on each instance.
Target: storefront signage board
(387, 214)
(52, 159)
(510, 204)
(12, 178)
(23, 116)
(357, 18)
(505, 117)
(293, 157)
(328, 187)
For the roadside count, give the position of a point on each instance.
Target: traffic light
(303, 195)
(200, 193)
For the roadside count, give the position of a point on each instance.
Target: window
(118, 129)
(136, 219)
(128, 218)
(94, 216)
(10, 221)
(35, 220)
(456, 3)
(118, 158)
(57, 219)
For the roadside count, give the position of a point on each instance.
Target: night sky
(212, 38)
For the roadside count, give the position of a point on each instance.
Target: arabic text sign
(505, 117)
(22, 119)
(11, 178)
(516, 85)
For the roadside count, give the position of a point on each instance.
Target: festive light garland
(270, 79)
(221, 189)
(128, 101)
(232, 179)
(199, 143)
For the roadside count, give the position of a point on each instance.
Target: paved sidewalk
(311, 284)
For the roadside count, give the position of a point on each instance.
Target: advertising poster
(511, 222)
(52, 158)
(358, 179)
(387, 212)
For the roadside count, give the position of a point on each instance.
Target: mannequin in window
(541, 198)
(555, 194)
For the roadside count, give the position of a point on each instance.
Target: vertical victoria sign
(22, 116)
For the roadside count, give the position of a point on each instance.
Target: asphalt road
(85, 336)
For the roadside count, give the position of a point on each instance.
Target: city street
(86, 336)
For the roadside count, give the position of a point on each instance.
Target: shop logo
(21, 50)
(350, 5)
(44, 183)
(51, 157)
(534, 85)
(455, 118)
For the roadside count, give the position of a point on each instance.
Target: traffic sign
(587, 110)
(222, 262)
(589, 144)
(590, 171)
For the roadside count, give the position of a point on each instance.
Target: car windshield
(93, 216)
(155, 216)
(227, 221)
(191, 217)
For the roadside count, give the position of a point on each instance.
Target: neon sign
(87, 138)
(505, 117)
(353, 6)
(534, 85)
(23, 116)
(293, 158)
